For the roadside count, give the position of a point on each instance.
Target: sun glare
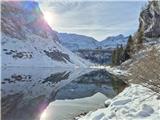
(49, 18)
(43, 115)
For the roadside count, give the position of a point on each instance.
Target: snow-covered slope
(129, 105)
(90, 48)
(113, 41)
(75, 41)
(27, 40)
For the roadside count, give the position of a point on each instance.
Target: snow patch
(112, 70)
(134, 103)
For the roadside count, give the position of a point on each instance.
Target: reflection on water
(26, 92)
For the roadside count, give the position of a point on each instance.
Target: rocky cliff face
(27, 40)
(148, 32)
(19, 18)
(150, 20)
(149, 23)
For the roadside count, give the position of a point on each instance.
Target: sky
(95, 18)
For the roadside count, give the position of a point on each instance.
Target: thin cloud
(97, 18)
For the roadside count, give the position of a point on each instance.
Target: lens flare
(43, 115)
(49, 17)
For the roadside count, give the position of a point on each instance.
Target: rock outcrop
(148, 31)
(150, 20)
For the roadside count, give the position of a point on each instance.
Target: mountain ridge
(75, 41)
(27, 39)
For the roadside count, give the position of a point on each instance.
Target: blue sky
(95, 18)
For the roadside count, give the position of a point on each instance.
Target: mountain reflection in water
(26, 92)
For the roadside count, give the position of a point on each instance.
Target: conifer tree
(140, 39)
(129, 49)
(113, 57)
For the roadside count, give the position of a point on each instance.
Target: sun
(43, 115)
(49, 17)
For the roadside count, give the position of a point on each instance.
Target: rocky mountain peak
(19, 18)
(149, 20)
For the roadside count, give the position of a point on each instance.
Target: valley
(52, 69)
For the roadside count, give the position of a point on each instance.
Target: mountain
(148, 33)
(88, 48)
(149, 20)
(142, 53)
(27, 40)
(75, 41)
(113, 41)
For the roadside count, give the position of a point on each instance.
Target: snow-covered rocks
(134, 103)
(116, 71)
(107, 102)
(112, 70)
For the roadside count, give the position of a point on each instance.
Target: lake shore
(129, 105)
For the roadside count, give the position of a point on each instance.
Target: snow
(68, 109)
(36, 46)
(75, 42)
(113, 41)
(134, 103)
(112, 70)
(116, 71)
(26, 45)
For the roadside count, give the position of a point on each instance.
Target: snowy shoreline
(112, 70)
(134, 103)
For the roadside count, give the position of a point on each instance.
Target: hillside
(144, 49)
(113, 41)
(76, 42)
(98, 52)
(27, 40)
(148, 33)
